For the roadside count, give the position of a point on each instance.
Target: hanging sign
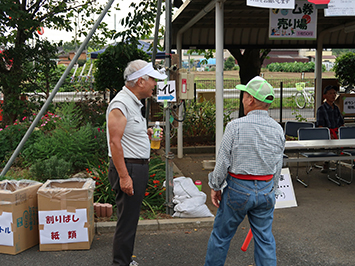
(288, 4)
(166, 91)
(340, 8)
(299, 23)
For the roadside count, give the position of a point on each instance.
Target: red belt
(265, 178)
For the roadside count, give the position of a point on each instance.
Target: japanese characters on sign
(166, 91)
(6, 233)
(349, 105)
(340, 8)
(297, 23)
(63, 226)
(286, 197)
(287, 4)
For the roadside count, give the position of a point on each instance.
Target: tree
(19, 24)
(344, 70)
(250, 62)
(230, 63)
(112, 63)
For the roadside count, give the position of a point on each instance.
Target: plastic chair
(292, 127)
(348, 133)
(318, 133)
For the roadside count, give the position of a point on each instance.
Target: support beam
(219, 71)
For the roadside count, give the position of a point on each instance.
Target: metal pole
(168, 155)
(157, 23)
(219, 72)
(281, 100)
(55, 90)
(154, 54)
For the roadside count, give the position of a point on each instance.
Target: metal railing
(286, 110)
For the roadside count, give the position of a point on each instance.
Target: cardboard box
(66, 214)
(18, 215)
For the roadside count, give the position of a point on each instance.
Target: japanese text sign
(6, 234)
(349, 105)
(286, 198)
(298, 23)
(166, 91)
(288, 4)
(340, 8)
(63, 227)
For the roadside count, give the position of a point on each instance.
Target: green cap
(259, 88)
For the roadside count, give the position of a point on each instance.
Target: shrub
(69, 141)
(52, 168)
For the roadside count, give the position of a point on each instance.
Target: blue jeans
(241, 197)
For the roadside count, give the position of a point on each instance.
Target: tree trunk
(249, 66)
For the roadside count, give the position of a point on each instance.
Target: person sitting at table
(328, 115)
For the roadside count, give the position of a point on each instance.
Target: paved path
(319, 232)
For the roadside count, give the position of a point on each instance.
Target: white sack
(190, 202)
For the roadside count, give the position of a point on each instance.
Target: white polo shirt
(135, 140)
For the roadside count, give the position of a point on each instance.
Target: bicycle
(302, 96)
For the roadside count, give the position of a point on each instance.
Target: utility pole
(169, 156)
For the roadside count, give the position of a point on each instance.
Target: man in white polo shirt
(129, 152)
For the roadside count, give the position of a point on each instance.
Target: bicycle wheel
(300, 100)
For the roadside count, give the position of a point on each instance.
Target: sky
(55, 35)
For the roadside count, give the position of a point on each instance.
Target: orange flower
(146, 194)
(152, 175)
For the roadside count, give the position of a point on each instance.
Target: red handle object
(247, 241)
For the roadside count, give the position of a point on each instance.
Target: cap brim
(155, 74)
(241, 87)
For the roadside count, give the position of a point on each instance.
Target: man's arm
(116, 126)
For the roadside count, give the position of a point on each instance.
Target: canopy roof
(247, 27)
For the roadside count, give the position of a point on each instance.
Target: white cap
(147, 70)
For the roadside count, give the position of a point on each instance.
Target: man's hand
(126, 185)
(216, 197)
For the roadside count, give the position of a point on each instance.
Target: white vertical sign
(287, 197)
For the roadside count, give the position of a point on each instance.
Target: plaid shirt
(251, 145)
(329, 117)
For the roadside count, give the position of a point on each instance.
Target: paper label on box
(63, 227)
(6, 234)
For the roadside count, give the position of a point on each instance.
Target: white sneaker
(133, 263)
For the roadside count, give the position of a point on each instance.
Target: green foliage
(103, 191)
(338, 52)
(11, 135)
(298, 116)
(52, 168)
(112, 63)
(70, 141)
(344, 69)
(201, 119)
(230, 63)
(154, 199)
(297, 67)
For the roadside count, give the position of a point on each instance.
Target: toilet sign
(287, 197)
(166, 91)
